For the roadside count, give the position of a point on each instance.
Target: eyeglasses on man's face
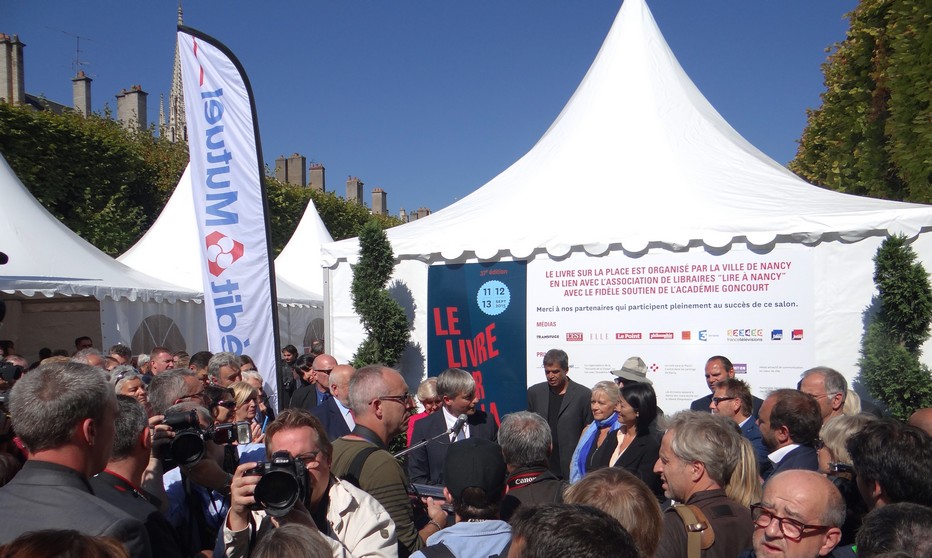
(717, 400)
(791, 529)
(406, 399)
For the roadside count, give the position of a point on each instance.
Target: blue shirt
(472, 539)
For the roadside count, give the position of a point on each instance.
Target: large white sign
(675, 310)
(229, 204)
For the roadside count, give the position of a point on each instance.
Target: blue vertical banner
(477, 321)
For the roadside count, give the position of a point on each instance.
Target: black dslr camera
(10, 372)
(284, 480)
(187, 447)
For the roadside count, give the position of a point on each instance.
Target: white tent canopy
(169, 250)
(639, 169)
(639, 156)
(47, 258)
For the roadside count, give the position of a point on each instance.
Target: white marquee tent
(58, 286)
(639, 165)
(169, 250)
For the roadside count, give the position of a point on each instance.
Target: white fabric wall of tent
(57, 286)
(640, 167)
(299, 282)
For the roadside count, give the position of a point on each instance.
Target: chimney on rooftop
(379, 201)
(81, 92)
(12, 84)
(131, 108)
(316, 178)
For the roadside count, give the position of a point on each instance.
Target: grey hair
(833, 510)
(525, 439)
(709, 439)
(166, 388)
(219, 360)
(833, 380)
(82, 355)
(244, 374)
(455, 381)
(47, 403)
(367, 383)
(142, 359)
(128, 373)
(130, 422)
(427, 389)
(836, 431)
(610, 389)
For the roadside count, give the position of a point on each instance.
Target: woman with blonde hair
(247, 405)
(592, 452)
(624, 497)
(744, 486)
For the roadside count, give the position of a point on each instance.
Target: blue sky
(430, 99)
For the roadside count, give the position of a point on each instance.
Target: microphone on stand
(455, 431)
(458, 425)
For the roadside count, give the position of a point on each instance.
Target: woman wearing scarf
(592, 452)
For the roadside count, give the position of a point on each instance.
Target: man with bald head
(334, 413)
(922, 419)
(799, 516)
(310, 396)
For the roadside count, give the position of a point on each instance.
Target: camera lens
(187, 447)
(278, 492)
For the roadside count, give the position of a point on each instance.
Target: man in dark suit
(732, 399)
(334, 414)
(789, 423)
(119, 484)
(719, 368)
(458, 390)
(318, 378)
(52, 490)
(565, 405)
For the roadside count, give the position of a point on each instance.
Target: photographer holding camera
(296, 486)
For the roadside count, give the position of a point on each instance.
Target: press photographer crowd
(166, 454)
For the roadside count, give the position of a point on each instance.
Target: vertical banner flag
(230, 206)
(477, 321)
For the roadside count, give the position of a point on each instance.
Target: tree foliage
(108, 184)
(891, 347)
(873, 133)
(101, 181)
(383, 319)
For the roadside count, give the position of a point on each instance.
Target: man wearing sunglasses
(318, 377)
(732, 399)
(800, 516)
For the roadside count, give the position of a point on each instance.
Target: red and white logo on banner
(222, 252)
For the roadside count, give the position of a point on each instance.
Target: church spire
(177, 127)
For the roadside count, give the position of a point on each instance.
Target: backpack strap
(699, 533)
(355, 468)
(438, 550)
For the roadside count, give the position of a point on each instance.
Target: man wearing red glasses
(800, 516)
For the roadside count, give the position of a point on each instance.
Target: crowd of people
(103, 453)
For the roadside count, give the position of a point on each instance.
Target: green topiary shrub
(891, 347)
(384, 320)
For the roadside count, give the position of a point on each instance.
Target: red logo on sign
(624, 336)
(797, 334)
(686, 335)
(662, 335)
(222, 252)
(576, 336)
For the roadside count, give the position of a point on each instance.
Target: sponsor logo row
(740, 334)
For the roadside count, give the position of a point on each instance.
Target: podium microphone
(455, 431)
(458, 425)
